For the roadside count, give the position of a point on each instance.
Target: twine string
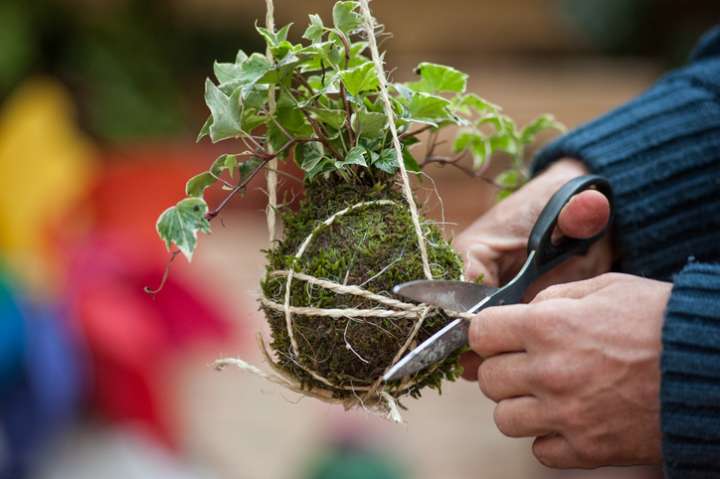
(382, 77)
(271, 175)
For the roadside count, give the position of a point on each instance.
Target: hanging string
(272, 166)
(407, 190)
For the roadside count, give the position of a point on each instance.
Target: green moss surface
(374, 247)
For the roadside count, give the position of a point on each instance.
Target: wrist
(567, 168)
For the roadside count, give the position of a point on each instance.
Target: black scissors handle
(548, 254)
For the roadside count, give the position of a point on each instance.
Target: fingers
(498, 330)
(555, 451)
(505, 376)
(576, 289)
(585, 215)
(481, 262)
(522, 417)
(470, 363)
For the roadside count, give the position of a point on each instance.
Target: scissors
(543, 255)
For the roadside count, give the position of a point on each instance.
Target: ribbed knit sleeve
(690, 391)
(661, 153)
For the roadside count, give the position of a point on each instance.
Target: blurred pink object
(132, 337)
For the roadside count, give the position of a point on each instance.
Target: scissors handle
(548, 254)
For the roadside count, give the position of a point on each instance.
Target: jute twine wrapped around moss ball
(336, 329)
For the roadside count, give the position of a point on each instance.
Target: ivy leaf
(387, 161)
(410, 162)
(476, 144)
(472, 102)
(369, 124)
(509, 180)
(205, 130)
(226, 72)
(248, 72)
(316, 30)
(197, 185)
(280, 70)
(436, 78)
(274, 39)
(225, 112)
(330, 116)
(240, 57)
(504, 142)
(230, 164)
(224, 163)
(308, 155)
(360, 78)
(544, 122)
(356, 156)
(247, 167)
(181, 223)
(291, 118)
(277, 138)
(427, 108)
(345, 16)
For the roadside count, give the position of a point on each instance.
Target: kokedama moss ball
(374, 247)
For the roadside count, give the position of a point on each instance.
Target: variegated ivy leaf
(180, 225)
(436, 78)
(360, 78)
(316, 30)
(426, 108)
(346, 17)
(369, 124)
(387, 161)
(225, 111)
(356, 156)
(544, 122)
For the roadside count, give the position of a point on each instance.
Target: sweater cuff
(690, 389)
(661, 153)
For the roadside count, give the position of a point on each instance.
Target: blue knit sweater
(661, 153)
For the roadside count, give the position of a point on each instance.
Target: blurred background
(99, 104)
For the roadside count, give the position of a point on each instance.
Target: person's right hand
(495, 246)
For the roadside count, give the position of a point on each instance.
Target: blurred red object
(133, 338)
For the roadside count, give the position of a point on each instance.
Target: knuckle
(557, 374)
(586, 452)
(486, 379)
(504, 420)
(551, 292)
(545, 454)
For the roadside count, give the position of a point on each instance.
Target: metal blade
(434, 349)
(451, 295)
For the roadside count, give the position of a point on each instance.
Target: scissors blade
(454, 295)
(450, 295)
(434, 349)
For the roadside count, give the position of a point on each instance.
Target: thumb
(585, 215)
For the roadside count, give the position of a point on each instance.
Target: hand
(495, 246)
(578, 368)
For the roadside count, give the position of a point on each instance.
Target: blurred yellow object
(45, 165)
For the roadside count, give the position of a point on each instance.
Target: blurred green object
(347, 461)
(130, 63)
(16, 43)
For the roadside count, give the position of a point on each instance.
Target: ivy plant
(316, 101)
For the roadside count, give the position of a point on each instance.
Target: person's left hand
(578, 368)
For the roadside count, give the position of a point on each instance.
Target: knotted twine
(375, 396)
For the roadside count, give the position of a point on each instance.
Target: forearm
(690, 388)
(661, 152)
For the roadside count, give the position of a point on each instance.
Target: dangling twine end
(393, 413)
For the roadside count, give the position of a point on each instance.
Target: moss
(375, 247)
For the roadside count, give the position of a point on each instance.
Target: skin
(578, 368)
